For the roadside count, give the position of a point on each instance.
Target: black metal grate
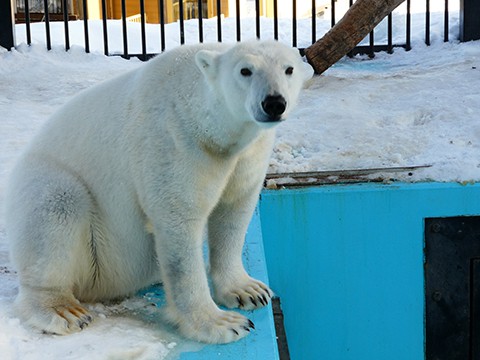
(452, 286)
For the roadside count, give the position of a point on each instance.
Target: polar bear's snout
(274, 106)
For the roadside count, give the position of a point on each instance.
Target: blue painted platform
(347, 262)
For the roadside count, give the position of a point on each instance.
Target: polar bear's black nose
(274, 106)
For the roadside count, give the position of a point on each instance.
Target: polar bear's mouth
(273, 107)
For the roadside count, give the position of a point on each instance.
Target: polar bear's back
(99, 115)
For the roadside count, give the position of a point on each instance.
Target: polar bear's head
(258, 81)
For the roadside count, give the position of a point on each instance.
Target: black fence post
(469, 20)
(7, 24)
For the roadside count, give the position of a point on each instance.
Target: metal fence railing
(178, 12)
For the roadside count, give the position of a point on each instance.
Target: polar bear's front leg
(189, 304)
(232, 286)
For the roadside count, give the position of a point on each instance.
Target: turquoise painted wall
(347, 263)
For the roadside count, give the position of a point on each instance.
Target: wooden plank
(274, 180)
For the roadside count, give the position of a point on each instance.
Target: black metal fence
(469, 22)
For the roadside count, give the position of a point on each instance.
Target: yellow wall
(114, 9)
(132, 7)
(94, 9)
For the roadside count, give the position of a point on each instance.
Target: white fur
(117, 190)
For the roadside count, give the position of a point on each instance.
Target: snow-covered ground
(411, 108)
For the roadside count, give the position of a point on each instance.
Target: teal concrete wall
(347, 263)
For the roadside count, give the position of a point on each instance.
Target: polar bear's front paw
(214, 326)
(246, 294)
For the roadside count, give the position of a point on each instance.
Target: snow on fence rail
(303, 22)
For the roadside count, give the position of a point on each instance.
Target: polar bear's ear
(307, 71)
(206, 61)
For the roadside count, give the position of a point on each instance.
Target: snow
(410, 108)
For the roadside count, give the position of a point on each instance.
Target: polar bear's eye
(289, 70)
(246, 72)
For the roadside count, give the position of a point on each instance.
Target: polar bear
(118, 189)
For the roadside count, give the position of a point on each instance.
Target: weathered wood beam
(357, 23)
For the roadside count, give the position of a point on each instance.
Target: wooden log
(357, 23)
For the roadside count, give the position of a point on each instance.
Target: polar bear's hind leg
(50, 246)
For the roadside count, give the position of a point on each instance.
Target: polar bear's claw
(75, 317)
(265, 299)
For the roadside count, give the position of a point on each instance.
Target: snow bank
(410, 108)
